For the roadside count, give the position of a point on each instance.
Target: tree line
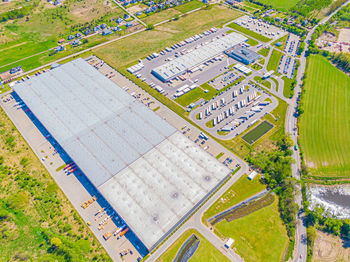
(275, 165)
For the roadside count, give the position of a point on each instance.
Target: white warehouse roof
(194, 58)
(150, 173)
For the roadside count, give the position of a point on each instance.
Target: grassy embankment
(37, 222)
(205, 251)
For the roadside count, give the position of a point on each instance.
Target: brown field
(328, 248)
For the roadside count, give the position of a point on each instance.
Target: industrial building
(150, 173)
(243, 54)
(197, 56)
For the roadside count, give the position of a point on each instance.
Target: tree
(55, 242)
(150, 27)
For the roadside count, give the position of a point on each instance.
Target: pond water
(335, 199)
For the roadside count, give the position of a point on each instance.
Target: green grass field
(189, 6)
(264, 51)
(282, 40)
(249, 32)
(239, 191)
(325, 124)
(259, 236)
(41, 30)
(257, 132)
(205, 251)
(288, 91)
(34, 210)
(276, 82)
(280, 4)
(264, 82)
(242, 148)
(130, 49)
(191, 97)
(161, 16)
(274, 60)
(252, 42)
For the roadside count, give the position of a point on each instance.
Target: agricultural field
(325, 124)
(205, 251)
(45, 25)
(257, 132)
(242, 189)
(127, 51)
(259, 236)
(37, 222)
(274, 61)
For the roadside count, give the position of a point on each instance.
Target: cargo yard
(233, 111)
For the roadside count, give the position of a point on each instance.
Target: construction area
(146, 175)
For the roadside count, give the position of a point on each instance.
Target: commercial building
(150, 173)
(243, 54)
(197, 56)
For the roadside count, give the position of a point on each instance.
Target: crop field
(325, 124)
(40, 30)
(205, 251)
(259, 236)
(239, 191)
(127, 51)
(257, 132)
(280, 4)
(274, 61)
(249, 32)
(37, 222)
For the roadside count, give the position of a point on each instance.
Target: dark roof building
(243, 54)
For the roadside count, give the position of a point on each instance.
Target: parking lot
(261, 27)
(195, 77)
(225, 79)
(234, 110)
(287, 63)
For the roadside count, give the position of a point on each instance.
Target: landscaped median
(205, 252)
(249, 32)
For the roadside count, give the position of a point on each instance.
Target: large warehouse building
(182, 64)
(243, 54)
(150, 173)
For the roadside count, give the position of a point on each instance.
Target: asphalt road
(195, 222)
(291, 127)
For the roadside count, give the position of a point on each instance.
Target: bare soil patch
(344, 35)
(328, 248)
